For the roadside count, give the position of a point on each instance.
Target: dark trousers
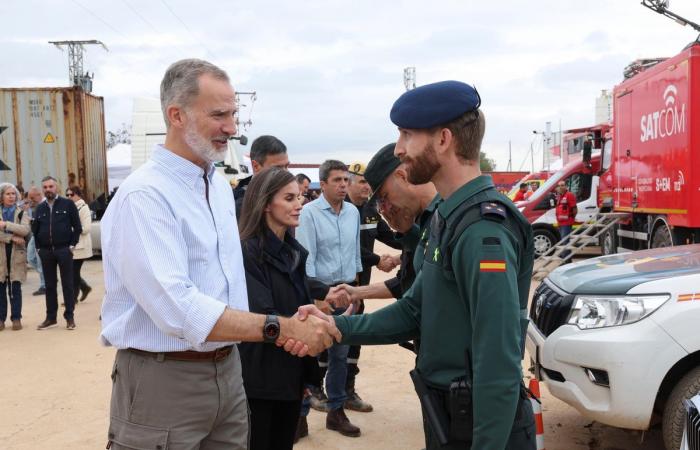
(273, 423)
(50, 259)
(353, 358)
(15, 291)
(564, 231)
(78, 282)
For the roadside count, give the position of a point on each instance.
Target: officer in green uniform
(468, 302)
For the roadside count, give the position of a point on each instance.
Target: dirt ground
(55, 389)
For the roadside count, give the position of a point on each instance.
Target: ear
(257, 167)
(401, 174)
(444, 140)
(176, 116)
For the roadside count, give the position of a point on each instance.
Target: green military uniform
(477, 307)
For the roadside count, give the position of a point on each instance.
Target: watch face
(271, 330)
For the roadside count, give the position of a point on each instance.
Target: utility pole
(76, 49)
(409, 78)
(510, 158)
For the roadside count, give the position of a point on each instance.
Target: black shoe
(86, 290)
(46, 324)
(70, 324)
(40, 291)
(336, 420)
(355, 403)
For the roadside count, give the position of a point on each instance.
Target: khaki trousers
(161, 404)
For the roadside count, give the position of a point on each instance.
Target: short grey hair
(4, 187)
(181, 82)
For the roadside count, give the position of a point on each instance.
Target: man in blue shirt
(329, 228)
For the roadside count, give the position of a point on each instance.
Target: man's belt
(214, 356)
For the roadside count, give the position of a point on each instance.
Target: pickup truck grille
(550, 308)
(692, 426)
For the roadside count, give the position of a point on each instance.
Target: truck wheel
(607, 243)
(674, 411)
(662, 237)
(543, 240)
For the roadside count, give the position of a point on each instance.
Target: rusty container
(53, 131)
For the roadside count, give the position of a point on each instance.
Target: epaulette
(493, 210)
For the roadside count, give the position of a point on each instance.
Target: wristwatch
(271, 329)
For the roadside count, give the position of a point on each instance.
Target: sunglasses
(69, 194)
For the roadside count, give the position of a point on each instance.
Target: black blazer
(58, 226)
(275, 287)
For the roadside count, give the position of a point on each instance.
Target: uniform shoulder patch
(493, 210)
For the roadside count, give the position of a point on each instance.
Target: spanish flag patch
(492, 266)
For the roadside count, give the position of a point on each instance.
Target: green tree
(486, 164)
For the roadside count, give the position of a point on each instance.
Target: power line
(147, 22)
(188, 29)
(105, 23)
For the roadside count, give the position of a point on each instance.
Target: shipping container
(53, 131)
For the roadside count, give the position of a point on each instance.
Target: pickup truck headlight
(591, 311)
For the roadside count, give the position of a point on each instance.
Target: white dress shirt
(172, 261)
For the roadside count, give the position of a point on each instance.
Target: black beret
(434, 104)
(382, 164)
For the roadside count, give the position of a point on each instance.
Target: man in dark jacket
(265, 151)
(56, 228)
(372, 227)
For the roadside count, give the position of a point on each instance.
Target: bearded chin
(203, 148)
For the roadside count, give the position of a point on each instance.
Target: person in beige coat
(14, 227)
(83, 250)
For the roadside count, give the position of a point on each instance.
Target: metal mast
(76, 49)
(409, 78)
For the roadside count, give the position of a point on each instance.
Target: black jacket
(239, 194)
(372, 227)
(277, 284)
(58, 226)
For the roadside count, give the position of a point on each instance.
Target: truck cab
(582, 180)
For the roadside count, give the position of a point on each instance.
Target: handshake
(309, 332)
(387, 263)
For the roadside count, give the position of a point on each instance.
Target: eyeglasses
(69, 194)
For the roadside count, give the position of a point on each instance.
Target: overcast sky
(327, 72)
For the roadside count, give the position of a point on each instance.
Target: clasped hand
(309, 331)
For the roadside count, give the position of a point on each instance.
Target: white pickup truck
(618, 337)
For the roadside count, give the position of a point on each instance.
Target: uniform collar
(470, 189)
(189, 172)
(427, 213)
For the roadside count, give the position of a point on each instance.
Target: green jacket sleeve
(486, 270)
(397, 322)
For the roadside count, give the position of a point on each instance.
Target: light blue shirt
(332, 240)
(172, 262)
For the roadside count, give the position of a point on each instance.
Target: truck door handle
(590, 207)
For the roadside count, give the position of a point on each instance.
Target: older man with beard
(468, 302)
(175, 302)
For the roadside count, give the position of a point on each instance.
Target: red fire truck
(651, 169)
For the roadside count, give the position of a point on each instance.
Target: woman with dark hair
(14, 228)
(276, 280)
(83, 249)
